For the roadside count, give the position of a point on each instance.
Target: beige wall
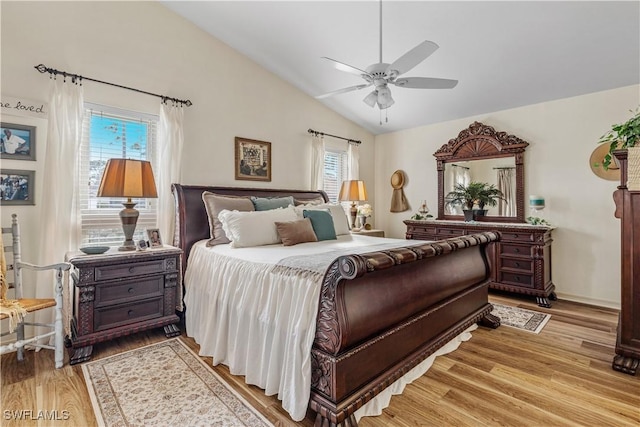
(562, 134)
(146, 46)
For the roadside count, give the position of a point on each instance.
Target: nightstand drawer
(114, 293)
(113, 316)
(445, 233)
(117, 271)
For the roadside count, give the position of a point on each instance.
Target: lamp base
(354, 214)
(129, 219)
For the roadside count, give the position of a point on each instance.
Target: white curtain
(353, 158)
(457, 175)
(59, 225)
(506, 207)
(317, 162)
(168, 165)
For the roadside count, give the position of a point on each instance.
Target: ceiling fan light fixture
(371, 99)
(385, 100)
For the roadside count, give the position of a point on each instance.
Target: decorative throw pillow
(294, 232)
(268, 203)
(322, 223)
(317, 201)
(258, 228)
(214, 204)
(340, 220)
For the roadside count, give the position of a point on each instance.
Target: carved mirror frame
(478, 142)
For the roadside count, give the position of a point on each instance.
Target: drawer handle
(517, 250)
(517, 264)
(129, 313)
(130, 290)
(517, 278)
(515, 236)
(131, 269)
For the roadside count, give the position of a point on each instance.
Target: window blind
(112, 133)
(335, 171)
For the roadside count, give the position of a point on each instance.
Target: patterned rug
(164, 384)
(520, 318)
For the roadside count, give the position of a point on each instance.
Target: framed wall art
(253, 159)
(17, 142)
(17, 187)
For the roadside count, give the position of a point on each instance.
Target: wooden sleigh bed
(380, 313)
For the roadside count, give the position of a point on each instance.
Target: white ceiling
(504, 54)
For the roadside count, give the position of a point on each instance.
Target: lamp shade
(353, 191)
(127, 178)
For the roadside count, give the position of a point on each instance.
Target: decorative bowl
(94, 250)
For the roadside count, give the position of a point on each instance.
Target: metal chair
(30, 305)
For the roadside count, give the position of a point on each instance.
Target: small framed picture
(141, 245)
(253, 159)
(155, 241)
(16, 187)
(17, 142)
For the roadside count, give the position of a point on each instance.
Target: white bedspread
(260, 323)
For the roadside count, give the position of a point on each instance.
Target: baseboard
(589, 301)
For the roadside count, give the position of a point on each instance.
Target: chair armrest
(64, 266)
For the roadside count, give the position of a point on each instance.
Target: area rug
(164, 384)
(520, 318)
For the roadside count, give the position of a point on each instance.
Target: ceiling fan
(381, 75)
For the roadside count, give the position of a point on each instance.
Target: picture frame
(141, 245)
(155, 240)
(253, 159)
(17, 187)
(17, 142)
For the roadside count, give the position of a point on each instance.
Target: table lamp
(353, 191)
(128, 178)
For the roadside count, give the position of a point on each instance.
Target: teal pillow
(269, 203)
(322, 223)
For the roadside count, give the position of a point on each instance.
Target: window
(335, 171)
(112, 133)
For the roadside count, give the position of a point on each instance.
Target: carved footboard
(382, 313)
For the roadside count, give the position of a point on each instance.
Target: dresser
(120, 293)
(627, 358)
(520, 262)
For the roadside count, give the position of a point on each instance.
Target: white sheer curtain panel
(353, 157)
(168, 165)
(317, 162)
(458, 175)
(506, 207)
(59, 226)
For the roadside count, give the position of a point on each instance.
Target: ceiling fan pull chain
(386, 115)
(380, 112)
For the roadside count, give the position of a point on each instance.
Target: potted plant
(489, 196)
(467, 196)
(621, 136)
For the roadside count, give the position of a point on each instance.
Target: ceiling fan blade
(425, 83)
(413, 57)
(343, 90)
(346, 67)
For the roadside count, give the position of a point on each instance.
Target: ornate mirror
(479, 153)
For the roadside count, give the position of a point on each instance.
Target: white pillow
(340, 220)
(255, 228)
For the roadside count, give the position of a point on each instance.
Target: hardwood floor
(559, 377)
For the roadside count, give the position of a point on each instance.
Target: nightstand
(372, 232)
(120, 293)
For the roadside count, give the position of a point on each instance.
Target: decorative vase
(363, 221)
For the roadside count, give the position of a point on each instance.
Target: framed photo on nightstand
(155, 241)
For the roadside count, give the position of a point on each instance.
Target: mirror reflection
(500, 172)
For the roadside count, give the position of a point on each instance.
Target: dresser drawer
(525, 266)
(114, 316)
(118, 292)
(117, 271)
(517, 279)
(445, 233)
(513, 249)
(510, 236)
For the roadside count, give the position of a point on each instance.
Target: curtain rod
(53, 72)
(506, 167)
(458, 166)
(350, 141)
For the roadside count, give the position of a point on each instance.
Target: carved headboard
(191, 219)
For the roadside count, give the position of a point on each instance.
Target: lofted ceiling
(505, 54)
